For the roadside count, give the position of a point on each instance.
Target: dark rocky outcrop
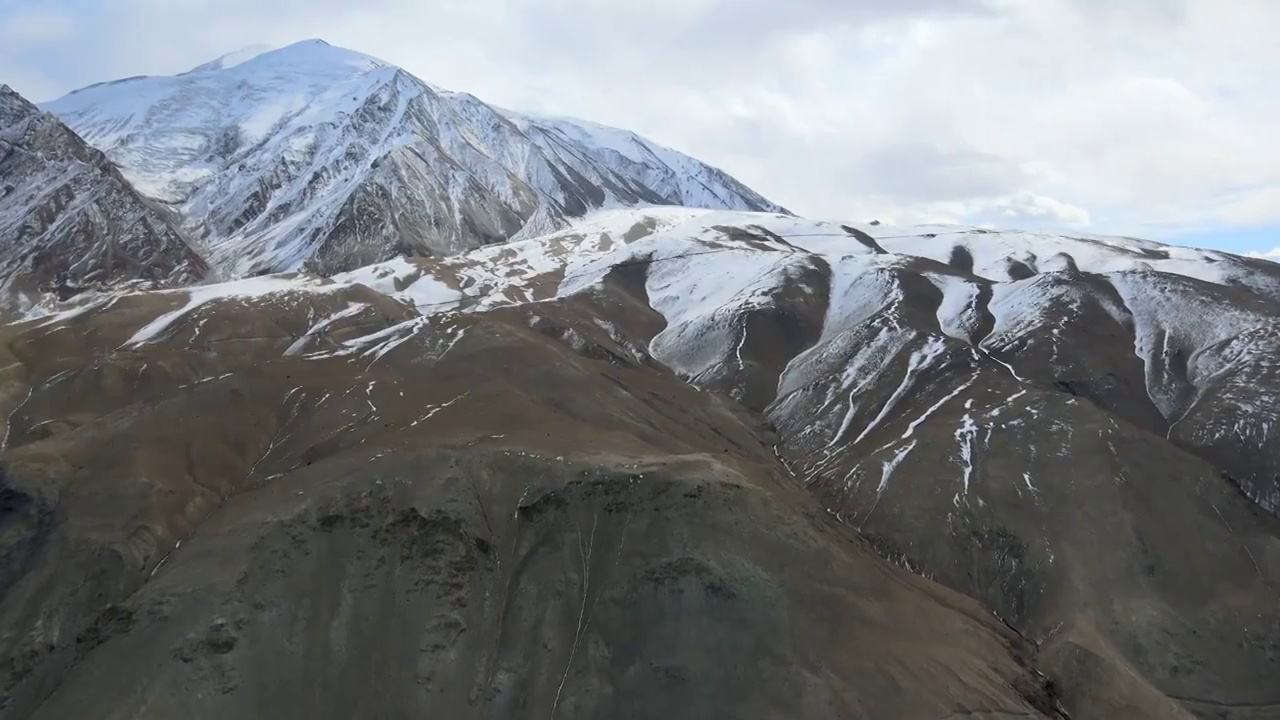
(69, 222)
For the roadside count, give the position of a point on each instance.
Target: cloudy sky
(1154, 118)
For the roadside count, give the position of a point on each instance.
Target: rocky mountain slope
(292, 497)
(661, 463)
(69, 221)
(1077, 430)
(318, 157)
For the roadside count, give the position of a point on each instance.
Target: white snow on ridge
(253, 289)
(957, 313)
(410, 282)
(966, 435)
(920, 360)
(232, 59)
(701, 277)
(1185, 340)
(878, 357)
(252, 91)
(700, 264)
(623, 142)
(300, 344)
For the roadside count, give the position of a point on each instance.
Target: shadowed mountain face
(69, 222)
(667, 463)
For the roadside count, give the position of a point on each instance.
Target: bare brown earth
(506, 515)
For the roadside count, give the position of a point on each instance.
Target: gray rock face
(69, 221)
(316, 156)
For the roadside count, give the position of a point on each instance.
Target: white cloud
(1022, 210)
(1272, 254)
(1144, 114)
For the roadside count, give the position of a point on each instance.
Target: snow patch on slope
(257, 289)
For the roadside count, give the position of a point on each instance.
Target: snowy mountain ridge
(1199, 325)
(317, 156)
(1189, 335)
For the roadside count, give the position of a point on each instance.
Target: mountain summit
(316, 156)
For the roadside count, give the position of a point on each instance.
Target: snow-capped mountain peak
(162, 130)
(315, 155)
(310, 56)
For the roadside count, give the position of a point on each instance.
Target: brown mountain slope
(466, 516)
(1077, 431)
(646, 468)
